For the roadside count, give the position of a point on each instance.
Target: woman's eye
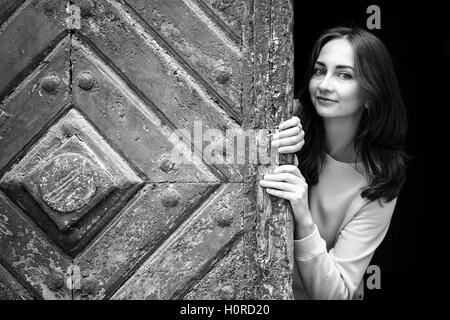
(345, 76)
(319, 72)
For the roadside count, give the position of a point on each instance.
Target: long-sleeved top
(332, 260)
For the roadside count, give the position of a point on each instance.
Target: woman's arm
(337, 274)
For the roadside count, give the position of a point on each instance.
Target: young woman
(351, 163)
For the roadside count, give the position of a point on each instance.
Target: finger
(280, 194)
(278, 185)
(294, 121)
(295, 160)
(289, 168)
(292, 149)
(286, 141)
(284, 177)
(294, 131)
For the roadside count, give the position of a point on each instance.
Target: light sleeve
(336, 274)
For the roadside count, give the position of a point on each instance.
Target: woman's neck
(339, 138)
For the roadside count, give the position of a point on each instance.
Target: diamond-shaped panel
(69, 184)
(73, 177)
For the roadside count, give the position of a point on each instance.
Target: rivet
(165, 164)
(223, 74)
(223, 218)
(50, 83)
(86, 80)
(74, 235)
(170, 198)
(89, 285)
(54, 281)
(226, 292)
(87, 8)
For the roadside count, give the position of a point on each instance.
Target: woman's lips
(325, 100)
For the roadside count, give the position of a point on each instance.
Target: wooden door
(96, 99)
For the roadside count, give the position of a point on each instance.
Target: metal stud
(54, 281)
(165, 164)
(223, 218)
(223, 74)
(226, 292)
(87, 8)
(50, 83)
(89, 286)
(74, 235)
(170, 198)
(86, 80)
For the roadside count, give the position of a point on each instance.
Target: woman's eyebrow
(339, 66)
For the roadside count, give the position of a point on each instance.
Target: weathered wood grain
(184, 259)
(142, 226)
(129, 125)
(28, 38)
(268, 92)
(212, 58)
(28, 110)
(10, 289)
(122, 84)
(39, 265)
(7, 8)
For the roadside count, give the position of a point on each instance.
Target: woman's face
(333, 88)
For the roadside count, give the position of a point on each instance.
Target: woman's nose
(325, 84)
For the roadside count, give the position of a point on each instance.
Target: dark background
(411, 256)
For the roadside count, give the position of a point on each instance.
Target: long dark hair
(380, 138)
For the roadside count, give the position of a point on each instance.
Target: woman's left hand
(288, 183)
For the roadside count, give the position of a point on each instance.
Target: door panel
(10, 288)
(127, 123)
(220, 282)
(95, 98)
(192, 250)
(37, 263)
(34, 90)
(141, 228)
(39, 98)
(205, 51)
(229, 15)
(144, 63)
(26, 38)
(71, 182)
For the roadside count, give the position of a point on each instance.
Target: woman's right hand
(290, 138)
